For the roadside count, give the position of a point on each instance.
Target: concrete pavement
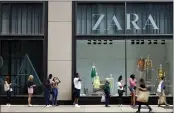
(83, 108)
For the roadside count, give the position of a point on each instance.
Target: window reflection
(19, 62)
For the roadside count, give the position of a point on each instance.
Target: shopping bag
(11, 89)
(162, 99)
(143, 96)
(103, 98)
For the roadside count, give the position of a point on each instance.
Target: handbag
(103, 98)
(143, 96)
(11, 89)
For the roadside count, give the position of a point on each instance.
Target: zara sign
(114, 22)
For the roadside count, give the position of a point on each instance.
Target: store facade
(114, 36)
(37, 38)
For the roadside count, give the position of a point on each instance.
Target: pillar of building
(60, 44)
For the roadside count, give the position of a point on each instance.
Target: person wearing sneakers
(8, 89)
(47, 92)
(121, 87)
(161, 93)
(77, 88)
(107, 92)
(30, 85)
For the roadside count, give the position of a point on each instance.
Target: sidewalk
(83, 108)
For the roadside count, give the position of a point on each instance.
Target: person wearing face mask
(107, 92)
(120, 89)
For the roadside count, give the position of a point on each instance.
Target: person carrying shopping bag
(161, 93)
(142, 95)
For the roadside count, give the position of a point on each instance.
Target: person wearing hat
(107, 92)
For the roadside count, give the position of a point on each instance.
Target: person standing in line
(8, 90)
(77, 88)
(107, 92)
(48, 90)
(120, 89)
(132, 87)
(160, 92)
(142, 87)
(55, 83)
(30, 85)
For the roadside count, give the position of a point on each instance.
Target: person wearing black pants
(120, 89)
(47, 92)
(8, 97)
(8, 89)
(107, 93)
(142, 87)
(77, 88)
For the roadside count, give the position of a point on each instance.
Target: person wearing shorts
(30, 85)
(77, 88)
(132, 87)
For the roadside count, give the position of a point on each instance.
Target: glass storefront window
(155, 52)
(21, 59)
(109, 60)
(108, 57)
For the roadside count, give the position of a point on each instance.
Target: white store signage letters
(114, 22)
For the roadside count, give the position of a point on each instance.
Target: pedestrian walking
(142, 95)
(161, 93)
(30, 87)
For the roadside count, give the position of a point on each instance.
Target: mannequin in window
(96, 83)
(148, 68)
(140, 66)
(161, 72)
(93, 72)
(111, 80)
(97, 86)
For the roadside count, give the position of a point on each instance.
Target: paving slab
(83, 108)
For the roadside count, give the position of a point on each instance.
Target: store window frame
(124, 36)
(43, 37)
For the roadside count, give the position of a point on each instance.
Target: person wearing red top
(132, 87)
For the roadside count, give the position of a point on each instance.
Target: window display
(154, 59)
(96, 62)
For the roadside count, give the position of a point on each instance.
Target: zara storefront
(117, 38)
